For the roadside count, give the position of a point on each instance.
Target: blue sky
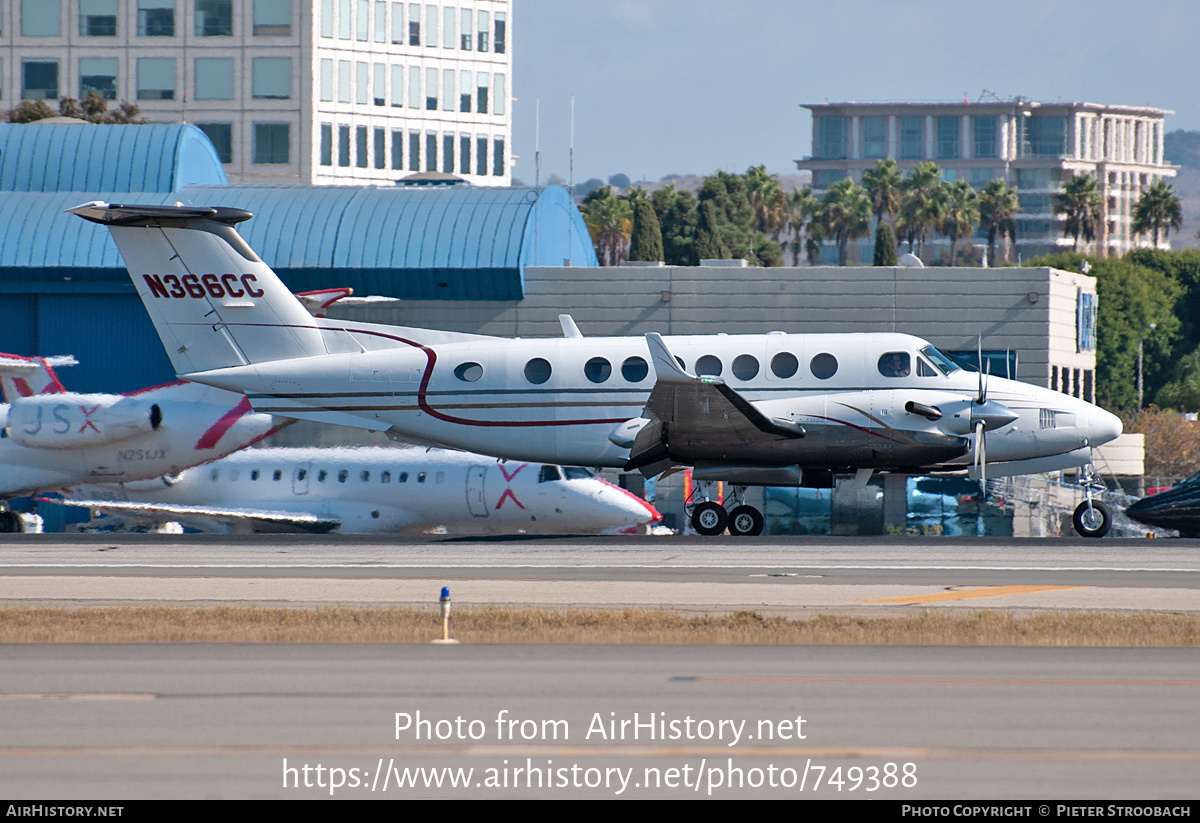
(691, 86)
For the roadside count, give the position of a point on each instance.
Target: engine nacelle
(69, 421)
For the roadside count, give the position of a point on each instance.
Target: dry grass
(171, 624)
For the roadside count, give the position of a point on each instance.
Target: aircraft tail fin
(27, 376)
(214, 303)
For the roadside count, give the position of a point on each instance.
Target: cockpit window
(924, 369)
(940, 361)
(895, 364)
(548, 474)
(576, 473)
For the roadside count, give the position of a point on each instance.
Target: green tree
(922, 205)
(845, 215)
(647, 242)
(803, 206)
(767, 200)
(998, 205)
(677, 216)
(883, 184)
(93, 109)
(885, 246)
(610, 222)
(961, 214)
(1079, 200)
(710, 243)
(1157, 210)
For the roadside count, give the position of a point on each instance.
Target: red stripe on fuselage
(215, 432)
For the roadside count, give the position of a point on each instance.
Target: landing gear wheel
(745, 521)
(10, 523)
(709, 519)
(1092, 519)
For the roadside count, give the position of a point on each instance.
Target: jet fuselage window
(420, 477)
(403, 477)
(597, 370)
(216, 475)
(301, 474)
(823, 366)
(254, 474)
(277, 474)
(634, 369)
(342, 475)
(321, 475)
(709, 364)
(576, 473)
(385, 477)
(537, 371)
(745, 367)
(468, 372)
(365, 476)
(233, 475)
(895, 364)
(548, 474)
(784, 365)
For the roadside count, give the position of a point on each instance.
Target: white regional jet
(768, 409)
(376, 490)
(53, 438)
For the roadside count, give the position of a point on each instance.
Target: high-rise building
(289, 91)
(1033, 146)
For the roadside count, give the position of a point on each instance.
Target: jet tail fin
(213, 301)
(27, 376)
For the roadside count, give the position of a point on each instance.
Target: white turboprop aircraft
(375, 490)
(768, 409)
(53, 438)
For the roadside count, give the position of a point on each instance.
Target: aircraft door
(476, 501)
(300, 478)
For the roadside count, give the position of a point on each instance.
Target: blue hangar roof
(448, 243)
(86, 157)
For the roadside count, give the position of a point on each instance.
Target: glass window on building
(345, 85)
(326, 144)
(327, 18)
(448, 89)
(448, 153)
(912, 138)
(481, 40)
(1043, 135)
(947, 137)
(498, 160)
(345, 20)
(379, 84)
(398, 28)
(156, 78)
(344, 146)
(363, 86)
(464, 96)
(500, 40)
(98, 74)
(831, 138)
(40, 18)
(272, 78)
(414, 88)
(273, 18)
(380, 149)
(360, 145)
(499, 95)
(398, 86)
(983, 127)
(825, 177)
(981, 177)
(1037, 179)
(464, 154)
(481, 92)
(430, 151)
(214, 78)
(221, 136)
(97, 18)
(271, 143)
(874, 138)
(380, 21)
(414, 151)
(39, 79)
(431, 84)
(481, 155)
(468, 38)
(449, 19)
(156, 18)
(1037, 204)
(326, 80)
(431, 26)
(414, 24)
(214, 18)
(363, 29)
(397, 149)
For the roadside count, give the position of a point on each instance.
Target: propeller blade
(981, 454)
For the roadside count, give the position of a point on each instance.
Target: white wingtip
(666, 367)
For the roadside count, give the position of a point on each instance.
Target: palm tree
(1080, 202)
(803, 206)
(922, 205)
(998, 205)
(845, 215)
(883, 184)
(610, 222)
(768, 201)
(1157, 210)
(961, 214)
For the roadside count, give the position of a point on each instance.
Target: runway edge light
(444, 601)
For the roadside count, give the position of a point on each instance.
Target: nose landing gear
(1092, 518)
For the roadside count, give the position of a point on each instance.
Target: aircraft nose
(634, 509)
(1103, 427)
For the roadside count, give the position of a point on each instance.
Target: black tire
(745, 521)
(709, 519)
(1094, 520)
(10, 523)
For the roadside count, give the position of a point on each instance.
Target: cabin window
(321, 475)
(342, 475)
(385, 477)
(784, 365)
(745, 367)
(548, 474)
(823, 366)
(254, 474)
(403, 477)
(233, 475)
(301, 474)
(277, 474)
(709, 364)
(597, 370)
(216, 475)
(420, 477)
(634, 369)
(469, 372)
(537, 371)
(895, 364)
(365, 476)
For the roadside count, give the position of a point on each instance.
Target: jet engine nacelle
(67, 421)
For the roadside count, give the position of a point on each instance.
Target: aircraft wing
(259, 519)
(687, 411)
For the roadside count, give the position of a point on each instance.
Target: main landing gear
(1092, 518)
(710, 518)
